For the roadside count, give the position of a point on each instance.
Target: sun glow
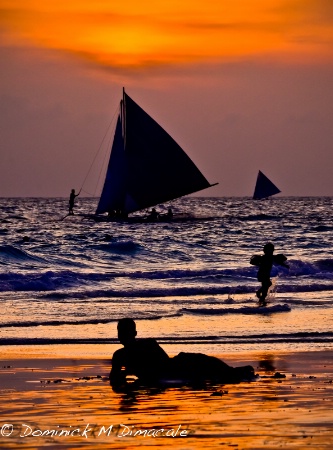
(134, 33)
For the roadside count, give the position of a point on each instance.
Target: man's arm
(117, 375)
(280, 259)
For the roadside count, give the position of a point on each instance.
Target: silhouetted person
(265, 263)
(169, 213)
(145, 359)
(120, 214)
(153, 215)
(72, 201)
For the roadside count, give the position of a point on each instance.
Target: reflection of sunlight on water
(264, 414)
(216, 333)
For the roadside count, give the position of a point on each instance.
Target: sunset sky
(241, 85)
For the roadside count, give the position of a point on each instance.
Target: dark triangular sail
(146, 166)
(264, 187)
(158, 168)
(114, 189)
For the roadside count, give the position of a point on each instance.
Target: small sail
(264, 187)
(146, 166)
(114, 189)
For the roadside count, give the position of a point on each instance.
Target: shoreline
(54, 392)
(106, 350)
(92, 350)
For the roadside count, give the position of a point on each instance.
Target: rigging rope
(86, 192)
(103, 165)
(97, 153)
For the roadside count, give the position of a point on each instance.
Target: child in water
(265, 263)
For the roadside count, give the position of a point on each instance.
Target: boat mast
(123, 116)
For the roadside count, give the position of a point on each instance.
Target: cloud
(132, 35)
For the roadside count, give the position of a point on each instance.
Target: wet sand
(55, 402)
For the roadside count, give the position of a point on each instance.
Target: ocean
(187, 283)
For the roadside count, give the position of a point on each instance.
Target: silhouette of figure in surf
(265, 263)
(146, 360)
(72, 201)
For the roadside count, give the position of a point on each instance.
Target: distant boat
(146, 166)
(264, 187)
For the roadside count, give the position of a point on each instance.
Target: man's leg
(266, 284)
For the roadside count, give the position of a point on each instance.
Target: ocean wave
(91, 321)
(47, 281)
(259, 217)
(54, 280)
(241, 310)
(321, 228)
(302, 337)
(10, 253)
(302, 277)
(52, 285)
(324, 265)
(143, 293)
(118, 247)
(182, 291)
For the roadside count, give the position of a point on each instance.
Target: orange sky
(241, 85)
(148, 33)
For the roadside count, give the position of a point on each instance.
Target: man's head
(269, 249)
(126, 331)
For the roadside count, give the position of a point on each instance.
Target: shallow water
(187, 283)
(44, 401)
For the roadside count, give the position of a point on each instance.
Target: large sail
(146, 166)
(158, 168)
(264, 187)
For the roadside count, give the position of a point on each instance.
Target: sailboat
(264, 187)
(146, 166)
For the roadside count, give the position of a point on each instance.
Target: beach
(52, 400)
(65, 284)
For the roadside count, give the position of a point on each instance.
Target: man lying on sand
(146, 360)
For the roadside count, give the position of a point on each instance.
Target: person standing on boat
(72, 201)
(265, 263)
(153, 215)
(169, 213)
